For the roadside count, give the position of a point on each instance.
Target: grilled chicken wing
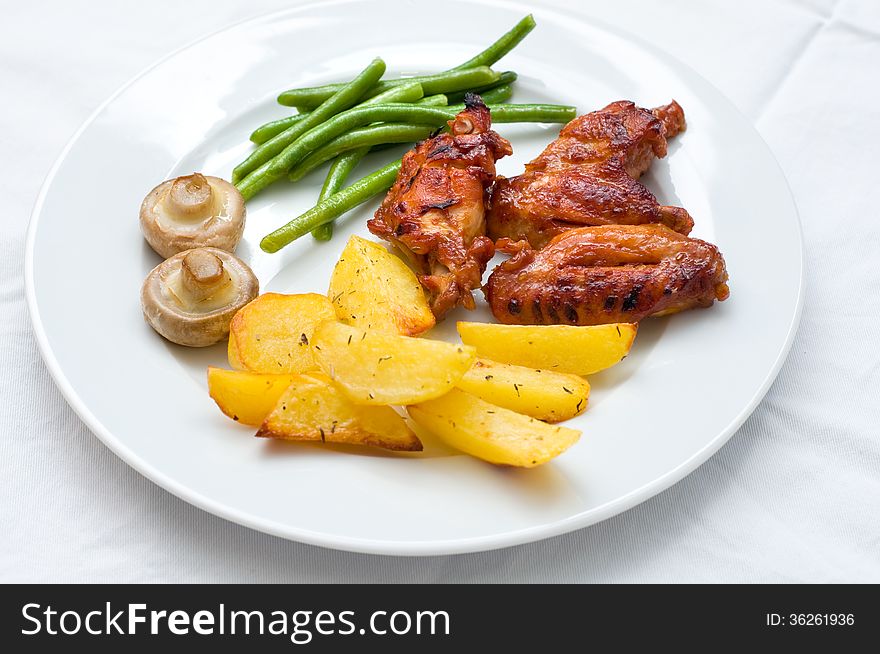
(435, 212)
(589, 176)
(597, 275)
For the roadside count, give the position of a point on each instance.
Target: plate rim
(372, 545)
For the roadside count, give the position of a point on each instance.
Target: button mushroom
(191, 212)
(191, 297)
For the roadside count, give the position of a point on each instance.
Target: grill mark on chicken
(583, 274)
(439, 150)
(630, 301)
(537, 312)
(440, 205)
(589, 176)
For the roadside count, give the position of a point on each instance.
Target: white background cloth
(795, 494)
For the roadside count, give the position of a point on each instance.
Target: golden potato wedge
(490, 432)
(246, 397)
(382, 368)
(315, 409)
(373, 289)
(272, 333)
(542, 394)
(560, 348)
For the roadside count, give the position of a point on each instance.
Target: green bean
(332, 207)
(377, 135)
(380, 134)
(497, 95)
(527, 113)
(276, 168)
(430, 101)
(410, 92)
(444, 82)
(305, 98)
(438, 100)
(267, 130)
(506, 78)
(338, 173)
(502, 46)
(357, 138)
(347, 161)
(344, 98)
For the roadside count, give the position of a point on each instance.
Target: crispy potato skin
(380, 368)
(372, 288)
(492, 433)
(543, 394)
(246, 397)
(272, 333)
(559, 348)
(314, 409)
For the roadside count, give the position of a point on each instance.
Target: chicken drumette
(435, 210)
(597, 275)
(589, 176)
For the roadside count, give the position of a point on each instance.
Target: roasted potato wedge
(381, 368)
(272, 333)
(313, 408)
(490, 432)
(246, 397)
(542, 394)
(560, 348)
(373, 289)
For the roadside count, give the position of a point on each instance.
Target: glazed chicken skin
(435, 212)
(589, 176)
(599, 275)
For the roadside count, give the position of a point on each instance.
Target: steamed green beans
(506, 78)
(333, 206)
(344, 98)
(409, 92)
(438, 100)
(276, 168)
(336, 176)
(497, 95)
(380, 134)
(305, 98)
(274, 127)
(445, 82)
(502, 46)
(341, 168)
(524, 113)
(357, 138)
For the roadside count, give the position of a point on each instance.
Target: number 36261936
(810, 619)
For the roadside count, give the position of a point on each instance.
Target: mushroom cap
(191, 297)
(190, 212)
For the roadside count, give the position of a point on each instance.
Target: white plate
(690, 381)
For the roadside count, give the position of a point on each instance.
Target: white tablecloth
(795, 494)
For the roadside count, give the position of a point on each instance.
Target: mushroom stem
(202, 274)
(190, 198)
